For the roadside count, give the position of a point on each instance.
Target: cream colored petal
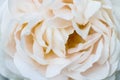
(80, 5)
(92, 8)
(78, 17)
(38, 54)
(64, 12)
(38, 3)
(31, 24)
(114, 54)
(57, 4)
(97, 72)
(7, 67)
(39, 33)
(19, 8)
(78, 9)
(39, 60)
(114, 48)
(82, 32)
(89, 42)
(97, 29)
(108, 18)
(56, 66)
(105, 53)
(59, 43)
(107, 4)
(25, 67)
(66, 32)
(59, 77)
(5, 18)
(80, 58)
(47, 2)
(58, 23)
(38, 50)
(102, 27)
(99, 15)
(49, 35)
(27, 44)
(92, 59)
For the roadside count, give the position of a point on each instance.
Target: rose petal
(102, 27)
(96, 72)
(58, 23)
(19, 8)
(82, 32)
(92, 8)
(58, 48)
(56, 67)
(92, 59)
(75, 75)
(105, 53)
(38, 54)
(49, 39)
(91, 40)
(26, 69)
(39, 35)
(59, 77)
(64, 12)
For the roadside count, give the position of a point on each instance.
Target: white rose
(59, 40)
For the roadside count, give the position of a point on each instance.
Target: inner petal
(73, 40)
(50, 55)
(91, 31)
(67, 1)
(29, 43)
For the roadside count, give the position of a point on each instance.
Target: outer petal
(27, 69)
(97, 72)
(21, 7)
(56, 66)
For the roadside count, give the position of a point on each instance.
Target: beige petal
(59, 77)
(19, 8)
(92, 8)
(74, 75)
(38, 54)
(49, 35)
(56, 4)
(105, 53)
(107, 4)
(58, 23)
(102, 27)
(39, 33)
(26, 67)
(114, 48)
(66, 32)
(64, 12)
(108, 18)
(56, 67)
(97, 72)
(82, 32)
(89, 42)
(79, 58)
(59, 44)
(114, 54)
(78, 9)
(35, 22)
(92, 59)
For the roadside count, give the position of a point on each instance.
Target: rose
(60, 40)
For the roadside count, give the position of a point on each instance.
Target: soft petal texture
(56, 66)
(26, 70)
(92, 7)
(59, 40)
